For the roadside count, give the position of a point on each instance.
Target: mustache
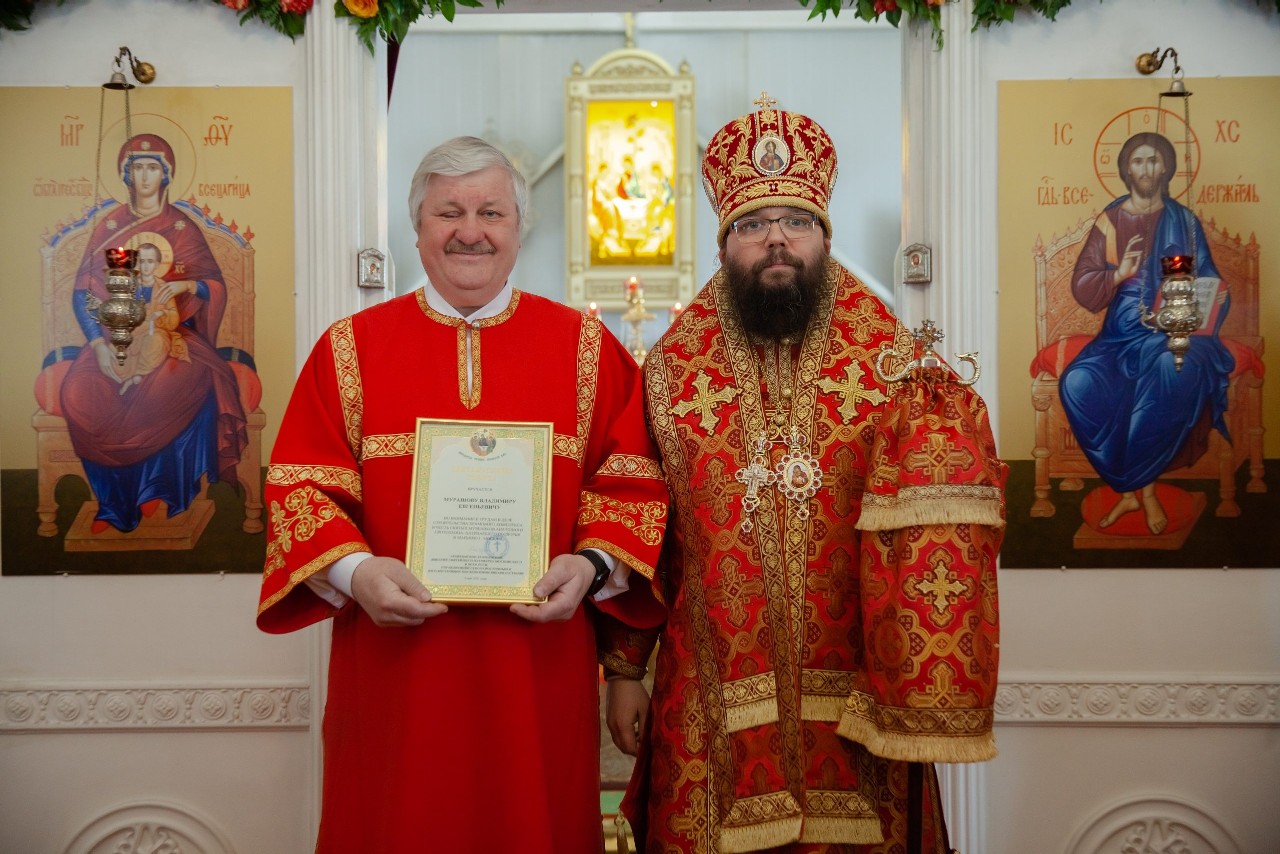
(777, 256)
(457, 247)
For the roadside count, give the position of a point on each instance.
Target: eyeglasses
(754, 229)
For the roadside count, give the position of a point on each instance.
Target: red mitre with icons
(769, 158)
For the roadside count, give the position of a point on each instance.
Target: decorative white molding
(155, 708)
(1152, 823)
(26, 708)
(1139, 703)
(150, 827)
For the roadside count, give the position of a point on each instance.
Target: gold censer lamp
(1179, 313)
(122, 312)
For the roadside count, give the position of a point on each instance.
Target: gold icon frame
(630, 177)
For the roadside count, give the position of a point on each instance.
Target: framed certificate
(478, 515)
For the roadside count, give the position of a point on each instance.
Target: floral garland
(985, 12)
(390, 19)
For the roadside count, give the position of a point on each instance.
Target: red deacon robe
(478, 730)
(832, 622)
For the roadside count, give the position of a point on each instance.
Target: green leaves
(393, 18)
(292, 24)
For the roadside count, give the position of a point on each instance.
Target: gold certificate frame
(630, 173)
(479, 509)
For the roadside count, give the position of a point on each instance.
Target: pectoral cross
(754, 475)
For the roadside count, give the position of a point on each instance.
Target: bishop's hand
(626, 709)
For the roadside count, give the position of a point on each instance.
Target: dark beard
(774, 312)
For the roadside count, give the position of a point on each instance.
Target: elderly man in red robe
(461, 729)
(830, 564)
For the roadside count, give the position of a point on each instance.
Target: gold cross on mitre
(764, 102)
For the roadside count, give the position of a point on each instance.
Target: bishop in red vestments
(463, 729)
(830, 567)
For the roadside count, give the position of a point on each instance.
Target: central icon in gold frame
(630, 172)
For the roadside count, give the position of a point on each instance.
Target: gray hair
(463, 155)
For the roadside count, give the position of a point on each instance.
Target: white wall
(1157, 686)
(1160, 687)
(156, 691)
(515, 98)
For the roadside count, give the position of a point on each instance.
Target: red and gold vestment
(476, 730)
(830, 577)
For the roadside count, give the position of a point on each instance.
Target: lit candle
(593, 310)
(633, 289)
(674, 312)
(120, 257)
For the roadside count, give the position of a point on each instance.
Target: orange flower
(237, 5)
(361, 8)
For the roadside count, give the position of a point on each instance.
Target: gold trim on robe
(767, 650)
(468, 331)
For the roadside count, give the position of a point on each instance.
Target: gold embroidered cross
(940, 455)
(943, 690)
(940, 588)
(692, 823)
(836, 585)
(705, 402)
(712, 492)
(851, 392)
(734, 587)
(764, 102)
(846, 479)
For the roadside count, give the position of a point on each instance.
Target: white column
(964, 803)
(341, 209)
(941, 200)
(342, 176)
(942, 189)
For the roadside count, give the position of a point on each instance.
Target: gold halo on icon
(184, 155)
